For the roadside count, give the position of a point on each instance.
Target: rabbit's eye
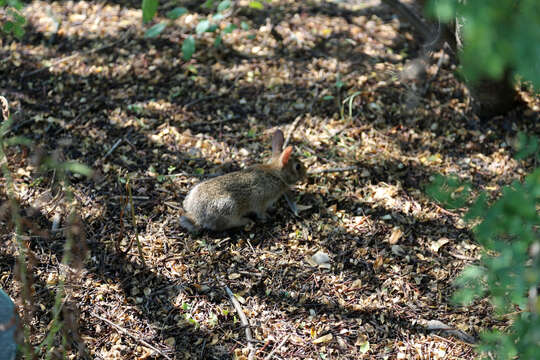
(297, 167)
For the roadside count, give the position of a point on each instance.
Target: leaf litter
(386, 255)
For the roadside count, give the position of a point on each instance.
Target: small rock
(320, 258)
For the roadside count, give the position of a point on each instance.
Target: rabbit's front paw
(262, 216)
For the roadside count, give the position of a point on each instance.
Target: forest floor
(85, 85)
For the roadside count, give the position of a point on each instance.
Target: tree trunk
(492, 96)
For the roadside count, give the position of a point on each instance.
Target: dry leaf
(323, 339)
(395, 236)
(378, 262)
(357, 284)
(436, 245)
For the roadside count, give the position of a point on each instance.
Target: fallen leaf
(378, 262)
(436, 245)
(323, 339)
(395, 236)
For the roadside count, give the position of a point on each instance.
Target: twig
(269, 356)
(121, 197)
(243, 320)
(215, 122)
(433, 325)
(174, 206)
(115, 145)
(293, 127)
(462, 257)
(206, 98)
(134, 223)
(125, 332)
(332, 170)
(444, 211)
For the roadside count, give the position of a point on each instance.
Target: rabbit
(224, 202)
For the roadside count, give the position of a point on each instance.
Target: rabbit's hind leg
(224, 223)
(261, 216)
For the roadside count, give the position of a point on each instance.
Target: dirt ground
(85, 85)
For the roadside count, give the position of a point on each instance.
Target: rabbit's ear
(285, 156)
(277, 143)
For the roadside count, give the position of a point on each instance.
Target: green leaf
(19, 19)
(527, 146)
(8, 26)
(229, 28)
(18, 31)
(18, 140)
(244, 25)
(328, 97)
(16, 4)
(444, 9)
(155, 30)
(256, 5)
(218, 40)
(208, 4)
(149, 9)
(202, 26)
(76, 167)
(449, 191)
(188, 48)
(212, 28)
(176, 13)
(217, 17)
(224, 5)
(364, 347)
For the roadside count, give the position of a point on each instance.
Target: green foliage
(62, 171)
(256, 5)
(155, 30)
(449, 191)
(188, 48)
(527, 146)
(210, 24)
(497, 35)
(176, 13)
(16, 21)
(149, 9)
(509, 272)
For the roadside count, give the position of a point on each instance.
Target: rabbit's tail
(188, 224)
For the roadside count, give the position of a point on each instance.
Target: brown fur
(225, 201)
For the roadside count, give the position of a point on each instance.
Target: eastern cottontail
(225, 201)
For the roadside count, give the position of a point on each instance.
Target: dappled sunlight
(81, 18)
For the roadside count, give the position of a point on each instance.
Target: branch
(243, 320)
(269, 356)
(134, 337)
(333, 170)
